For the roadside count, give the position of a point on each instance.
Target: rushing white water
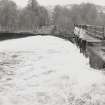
(47, 70)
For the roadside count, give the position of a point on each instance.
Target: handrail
(95, 26)
(95, 35)
(90, 26)
(94, 31)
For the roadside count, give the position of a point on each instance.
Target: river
(46, 70)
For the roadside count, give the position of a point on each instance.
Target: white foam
(55, 67)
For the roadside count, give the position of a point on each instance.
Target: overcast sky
(61, 2)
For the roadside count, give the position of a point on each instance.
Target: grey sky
(61, 2)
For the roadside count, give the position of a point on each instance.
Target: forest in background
(28, 18)
(34, 16)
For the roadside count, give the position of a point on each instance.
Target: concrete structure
(91, 40)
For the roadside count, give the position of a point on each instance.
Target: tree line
(28, 18)
(33, 16)
(85, 13)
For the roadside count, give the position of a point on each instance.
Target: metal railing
(93, 30)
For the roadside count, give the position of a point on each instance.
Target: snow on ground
(45, 70)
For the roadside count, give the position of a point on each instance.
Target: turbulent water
(47, 71)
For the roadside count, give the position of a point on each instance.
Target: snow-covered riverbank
(47, 70)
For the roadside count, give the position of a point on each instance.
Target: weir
(89, 38)
(91, 41)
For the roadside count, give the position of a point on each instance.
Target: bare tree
(33, 16)
(8, 15)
